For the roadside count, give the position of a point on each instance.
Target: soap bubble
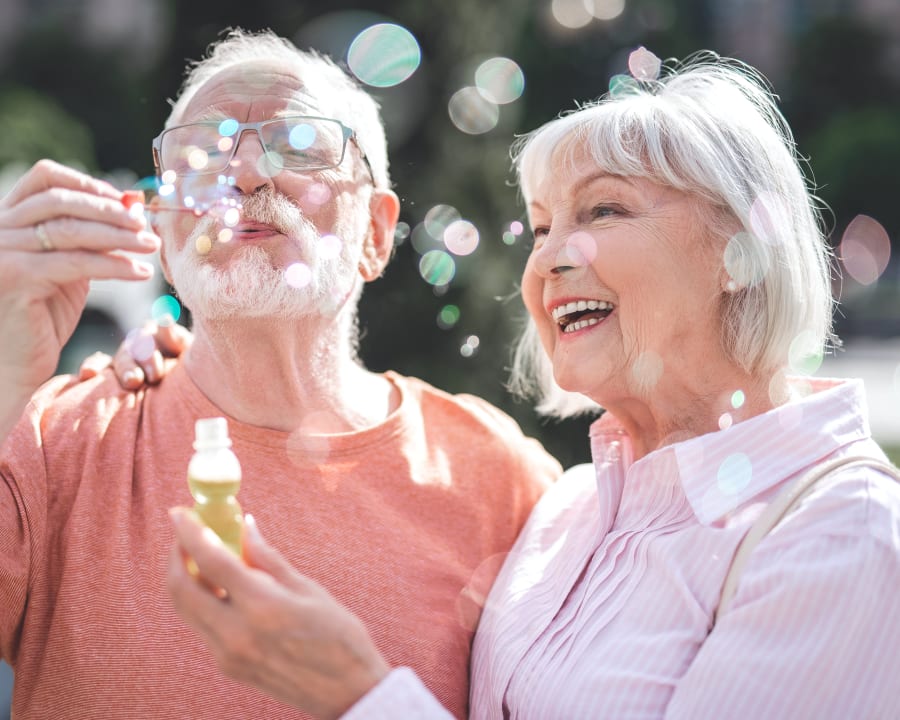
(384, 55)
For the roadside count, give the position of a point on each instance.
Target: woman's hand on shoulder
(140, 359)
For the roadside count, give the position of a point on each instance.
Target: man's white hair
(324, 80)
(710, 127)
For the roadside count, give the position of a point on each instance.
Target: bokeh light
(734, 474)
(298, 275)
(203, 244)
(738, 399)
(865, 249)
(471, 112)
(745, 265)
(571, 14)
(470, 346)
(231, 217)
(461, 237)
(769, 217)
(140, 346)
(500, 80)
(423, 241)
(448, 317)
(228, 127)
(164, 307)
(643, 64)
(225, 235)
(439, 218)
(581, 247)
(804, 354)
(620, 85)
(330, 247)
(317, 194)
(605, 9)
(401, 232)
(437, 267)
(302, 136)
(384, 55)
(647, 370)
(516, 228)
(509, 238)
(725, 421)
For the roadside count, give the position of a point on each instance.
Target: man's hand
(59, 228)
(267, 625)
(139, 361)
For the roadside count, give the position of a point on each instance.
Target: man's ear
(384, 209)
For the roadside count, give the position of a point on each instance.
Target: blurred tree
(35, 126)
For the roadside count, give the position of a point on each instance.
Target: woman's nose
(563, 251)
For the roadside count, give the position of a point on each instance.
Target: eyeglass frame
(348, 133)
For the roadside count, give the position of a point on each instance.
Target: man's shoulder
(473, 422)
(456, 406)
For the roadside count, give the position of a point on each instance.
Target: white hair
(349, 102)
(710, 127)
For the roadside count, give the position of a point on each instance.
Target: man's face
(277, 243)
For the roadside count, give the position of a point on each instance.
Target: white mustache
(268, 208)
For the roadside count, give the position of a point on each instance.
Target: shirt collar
(721, 471)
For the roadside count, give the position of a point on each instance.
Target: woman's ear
(384, 210)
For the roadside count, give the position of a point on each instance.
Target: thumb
(257, 553)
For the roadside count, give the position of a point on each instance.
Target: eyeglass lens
(289, 143)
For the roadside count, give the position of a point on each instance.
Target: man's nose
(248, 165)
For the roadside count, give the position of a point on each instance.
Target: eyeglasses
(296, 142)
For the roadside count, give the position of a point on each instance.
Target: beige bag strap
(781, 506)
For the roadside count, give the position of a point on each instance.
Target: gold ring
(46, 243)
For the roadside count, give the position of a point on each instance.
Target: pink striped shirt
(604, 607)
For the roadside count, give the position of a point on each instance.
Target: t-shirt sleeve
(22, 475)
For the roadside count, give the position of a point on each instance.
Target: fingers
(93, 365)
(46, 174)
(216, 564)
(196, 602)
(259, 554)
(171, 338)
(56, 208)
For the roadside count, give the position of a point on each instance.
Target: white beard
(251, 286)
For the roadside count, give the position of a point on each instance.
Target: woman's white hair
(327, 82)
(711, 127)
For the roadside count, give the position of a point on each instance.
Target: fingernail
(211, 537)
(144, 269)
(149, 240)
(252, 529)
(165, 320)
(131, 376)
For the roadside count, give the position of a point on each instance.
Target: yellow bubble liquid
(218, 508)
(214, 478)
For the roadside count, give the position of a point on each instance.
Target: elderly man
(396, 498)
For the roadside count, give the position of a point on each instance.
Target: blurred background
(86, 82)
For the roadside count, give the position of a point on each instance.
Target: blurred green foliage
(100, 104)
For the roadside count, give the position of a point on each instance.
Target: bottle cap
(211, 433)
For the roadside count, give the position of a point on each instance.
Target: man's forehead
(256, 83)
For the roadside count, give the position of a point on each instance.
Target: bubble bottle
(214, 477)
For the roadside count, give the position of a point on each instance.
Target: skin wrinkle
(660, 263)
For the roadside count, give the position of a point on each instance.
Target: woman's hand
(59, 228)
(267, 625)
(139, 361)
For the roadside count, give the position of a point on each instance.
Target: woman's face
(624, 283)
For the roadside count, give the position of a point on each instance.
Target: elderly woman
(678, 275)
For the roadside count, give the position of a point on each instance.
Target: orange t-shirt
(404, 523)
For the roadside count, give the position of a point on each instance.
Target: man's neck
(287, 375)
